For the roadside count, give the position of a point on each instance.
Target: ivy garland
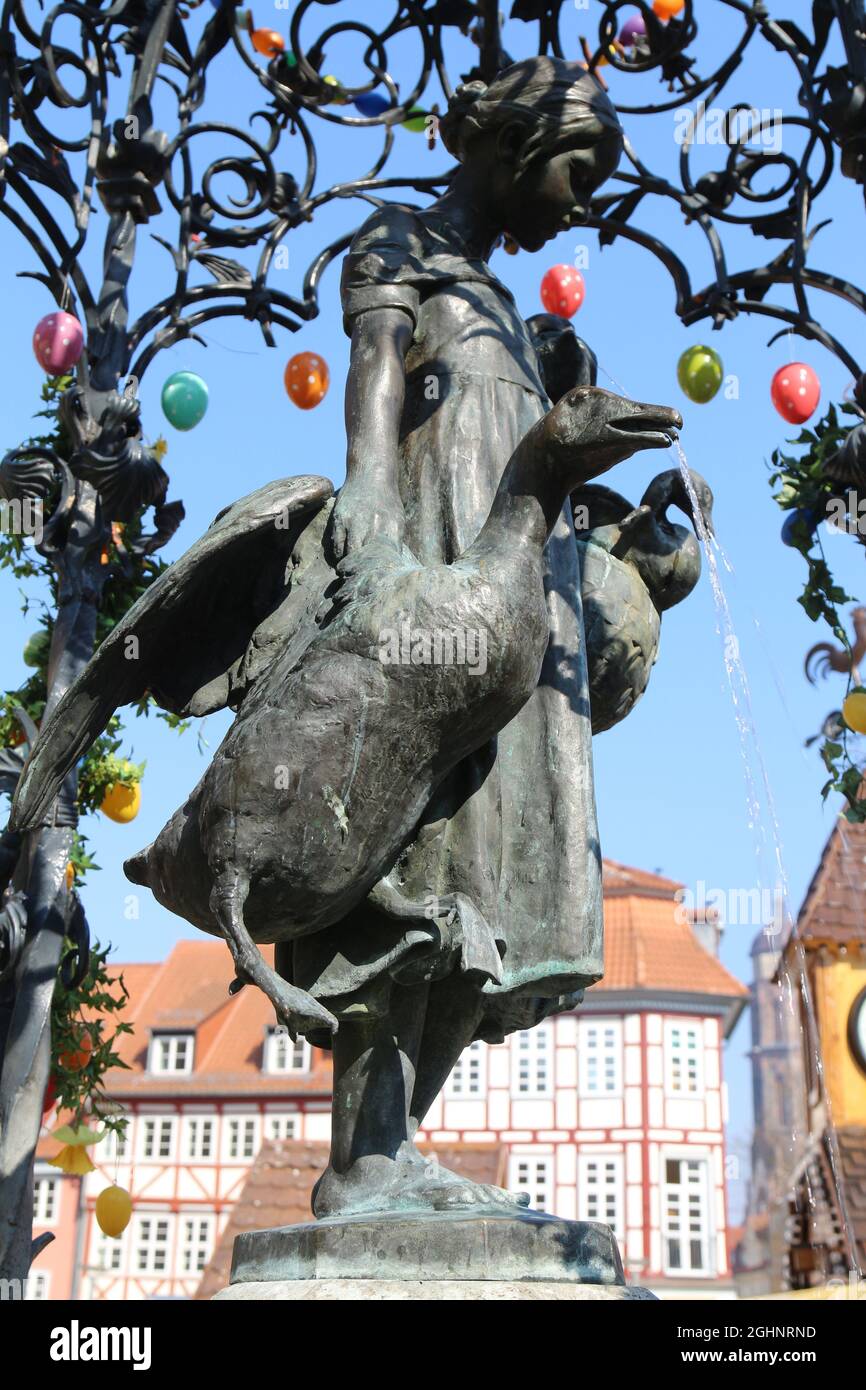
(806, 490)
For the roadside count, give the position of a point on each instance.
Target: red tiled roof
(832, 912)
(188, 991)
(646, 948)
(618, 879)
(279, 1184)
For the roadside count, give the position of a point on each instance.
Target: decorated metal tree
(97, 478)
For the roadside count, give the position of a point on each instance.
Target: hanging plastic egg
(336, 94)
(77, 1057)
(113, 1211)
(184, 400)
(795, 392)
(416, 121)
(633, 29)
(267, 41)
(69, 876)
(50, 1098)
(800, 525)
(307, 379)
(58, 341)
(700, 373)
(667, 9)
(562, 290)
(122, 802)
(372, 104)
(854, 711)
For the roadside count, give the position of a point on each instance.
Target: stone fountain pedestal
(431, 1256)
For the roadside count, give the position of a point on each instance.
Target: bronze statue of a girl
(443, 383)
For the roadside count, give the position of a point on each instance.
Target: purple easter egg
(58, 340)
(633, 29)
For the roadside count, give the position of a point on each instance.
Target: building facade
(613, 1113)
(807, 1219)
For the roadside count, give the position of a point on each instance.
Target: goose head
(590, 430)
(666, 555)
(565, 359)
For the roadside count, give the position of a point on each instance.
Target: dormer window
(171, 1053)
(283, 1055)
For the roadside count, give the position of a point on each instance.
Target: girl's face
(553, 194)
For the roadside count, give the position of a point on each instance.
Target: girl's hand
(365, 511)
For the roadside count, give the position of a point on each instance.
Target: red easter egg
(562, 290)
(50, 1096)
(795, 392)
(58, 340)
(307, 379)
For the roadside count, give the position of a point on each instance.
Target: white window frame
(149, 1240)
(600, 1058)
(672, 1226)
(106, 1253)
(601, 1190)
(194, 1248)
(240, 1125)
(535, 1174)
(283, 1126)
(171, 1054)
(529, 1047)
(680, 1052)
(158, 1133)
(282, 1057)
(46, 1200)
(468, 1078)
(114, 1147)
(200, 1130)
(37, 1286)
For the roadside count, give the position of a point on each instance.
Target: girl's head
(540, 140)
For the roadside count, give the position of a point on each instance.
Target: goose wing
(187, 634)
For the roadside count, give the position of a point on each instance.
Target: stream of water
(782, 930)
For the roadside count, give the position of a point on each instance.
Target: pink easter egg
(58, 341)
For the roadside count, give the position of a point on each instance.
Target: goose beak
(648, 426)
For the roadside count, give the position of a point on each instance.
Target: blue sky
(670, 780)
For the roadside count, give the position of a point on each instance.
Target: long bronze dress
(514, 827)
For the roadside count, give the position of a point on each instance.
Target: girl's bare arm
(369, 502)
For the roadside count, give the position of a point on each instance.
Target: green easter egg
(416, 121)
(700, 373)
(184, 400)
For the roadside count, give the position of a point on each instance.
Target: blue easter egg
(795, 522)
(372, 104)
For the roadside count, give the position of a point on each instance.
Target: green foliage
(102, 769)
(92, 1008)
(804, 486)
